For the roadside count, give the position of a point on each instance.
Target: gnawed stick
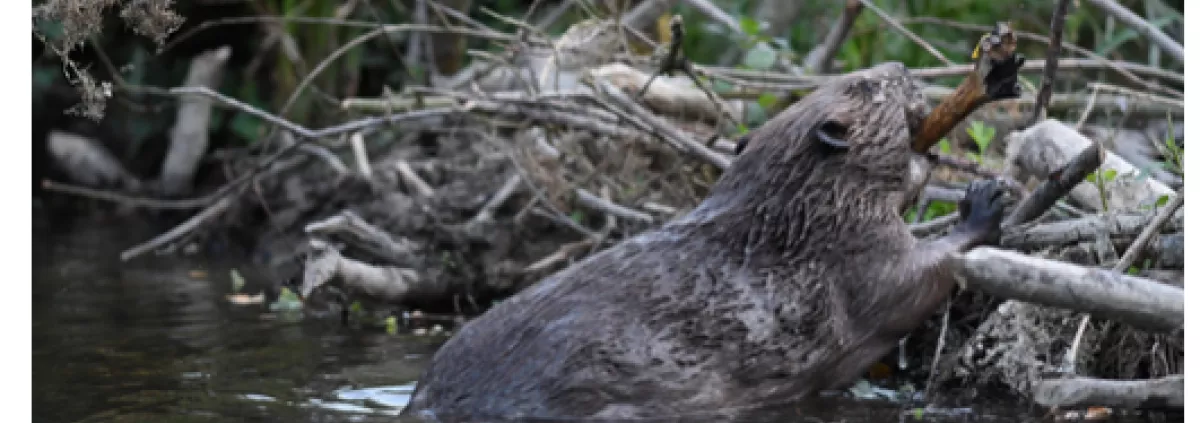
(1058, 184)
(1164, 392)
(1139, 302)
(993, 78)
(1084, 229)
(1045, 148)
(366, 236)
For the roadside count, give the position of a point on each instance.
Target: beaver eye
(832, 134)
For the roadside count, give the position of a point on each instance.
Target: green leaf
(760, 57)
(750, 26)
(982, 134)
(1091, 177)
(391, 325)
(766, 100)
(577, 216)
(238, 282)
(944, 146)
(1110, 174)
(288, 301)
(1162, 200)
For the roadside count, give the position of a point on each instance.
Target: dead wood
(326, 267)
(189, 136)
(1084, 229)
(996, 62)
(1166, 392)
(1140, 302)
(87, 162)
(352, 228)
(1047, 146)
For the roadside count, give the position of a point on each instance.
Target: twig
(1140, 25)
(412, 180)
(662, 128)
(178, 231)
(900, 27)
(360, 154)
(675, 60)
(1056, 186)
(1052, 52)
(819, 59)
(1083, 229)
(563, 253)
(1132, 253)
(341, 51)
(593, 202)
(992, 78)
(502, 195)
(715, 13)
(1093, 61)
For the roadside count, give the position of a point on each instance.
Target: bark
(1047, 146)
(189, 136)
(1084, 229)
(1139, 302)
(87, 162)
(1159, 393)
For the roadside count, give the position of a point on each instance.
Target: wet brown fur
(796, 274)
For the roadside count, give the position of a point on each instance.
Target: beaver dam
(289, 229)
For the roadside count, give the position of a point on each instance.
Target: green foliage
(982, 134)
(944, 146)
(936, 209)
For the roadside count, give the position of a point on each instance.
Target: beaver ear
(833, 134)
(741, 144)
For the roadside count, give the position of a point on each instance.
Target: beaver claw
(1002, 82)
(982, 209)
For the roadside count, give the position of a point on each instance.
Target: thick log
(1160, 393)
(1046, 147)
(1139, 302)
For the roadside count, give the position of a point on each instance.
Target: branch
(1052, 52)
(593, 202)
(1165, 392)
(818, 60)
(1057, 185)
(1139, 302)
(1140, 25)
(189, 135)
(178, 231)
(1084, 229)
(661, 127)
(1043, 149)
(993, 78)
(900, 27)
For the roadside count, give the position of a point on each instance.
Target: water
(157, 341)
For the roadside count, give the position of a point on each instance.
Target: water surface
(157, 341)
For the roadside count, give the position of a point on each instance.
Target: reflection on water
(156, 341)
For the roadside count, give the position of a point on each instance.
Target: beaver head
(838, 158)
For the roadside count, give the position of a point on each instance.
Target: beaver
(794, 275)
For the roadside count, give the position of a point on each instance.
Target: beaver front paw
(982, 209)
(1001, 81)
